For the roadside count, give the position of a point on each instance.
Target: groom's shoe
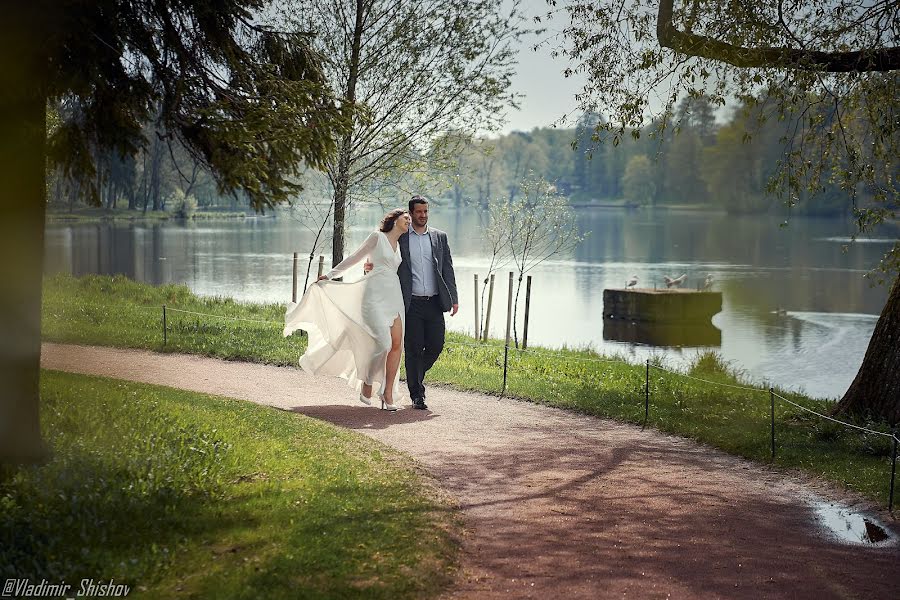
(419, 403)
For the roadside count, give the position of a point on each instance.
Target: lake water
(796, 309)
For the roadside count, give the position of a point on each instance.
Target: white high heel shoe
(388, 406)
(364, 400)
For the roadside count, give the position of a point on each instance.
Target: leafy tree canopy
(248, 102)
(825, 67)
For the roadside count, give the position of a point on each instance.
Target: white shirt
(421, 264)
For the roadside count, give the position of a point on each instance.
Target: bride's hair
(387, 223)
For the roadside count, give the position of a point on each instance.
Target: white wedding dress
(349, 323)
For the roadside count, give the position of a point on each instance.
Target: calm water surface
(796, 309)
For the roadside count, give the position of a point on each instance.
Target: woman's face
(403, 222)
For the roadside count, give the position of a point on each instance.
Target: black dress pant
(423, 341)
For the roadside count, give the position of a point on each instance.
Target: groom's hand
(454, 309)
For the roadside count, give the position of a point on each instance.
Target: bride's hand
(321, 277)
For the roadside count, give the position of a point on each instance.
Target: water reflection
(663, 335)
(849, 526)
(796, 310)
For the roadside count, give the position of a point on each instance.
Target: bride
(356, 329)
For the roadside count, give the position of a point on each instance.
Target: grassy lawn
(177, 493)
(118, 312)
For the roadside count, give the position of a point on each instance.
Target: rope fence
(647, 382)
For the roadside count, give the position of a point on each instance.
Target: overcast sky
(548, 94)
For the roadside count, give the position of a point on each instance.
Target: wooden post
(508, 327)
(527, 310)
(893, 472)
(772, 413)
(487, 312)
(294, 281)
(646, 395)
(477, 321)
(321, 265)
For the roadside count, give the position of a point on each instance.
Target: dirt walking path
(560, 505)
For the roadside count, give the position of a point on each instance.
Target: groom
(429, 290)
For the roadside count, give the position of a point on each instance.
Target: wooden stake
(477, 322)
(321, 265)
(527, 311)
(487, 313)
(508, 327)
(294, 283)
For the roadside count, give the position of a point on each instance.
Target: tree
(539, 225)
(415, 69)
(638, 182)
(521, 154)
(455, 174)
(825, 67)
(249, 103)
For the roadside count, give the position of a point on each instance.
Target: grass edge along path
(178, 493)
(115, 311)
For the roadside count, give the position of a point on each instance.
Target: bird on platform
(707, 283)
(632, 281)
(674, 282)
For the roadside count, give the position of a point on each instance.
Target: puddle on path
(850, 526)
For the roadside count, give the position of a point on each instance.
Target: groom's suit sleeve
(448, 274)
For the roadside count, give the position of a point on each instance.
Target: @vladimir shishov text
(85, 588)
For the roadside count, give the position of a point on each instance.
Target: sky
(548, 94)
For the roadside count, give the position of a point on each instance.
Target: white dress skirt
(349, 323)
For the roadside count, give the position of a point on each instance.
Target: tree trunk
(875, 392)
(343, 171)
(23, 122)
(156, 156)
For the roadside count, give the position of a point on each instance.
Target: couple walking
(357, 329)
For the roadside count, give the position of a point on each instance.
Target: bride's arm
(364, 250)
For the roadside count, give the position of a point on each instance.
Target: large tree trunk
(23, 125)
(876, 390)
(156, 156)
(342, 177)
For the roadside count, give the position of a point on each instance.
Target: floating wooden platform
(661, 305)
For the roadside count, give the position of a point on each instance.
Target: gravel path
(560, 505)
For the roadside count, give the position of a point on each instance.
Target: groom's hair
(417, 199)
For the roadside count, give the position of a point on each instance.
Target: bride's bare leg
(393, 360)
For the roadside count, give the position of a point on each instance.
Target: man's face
(420, 215)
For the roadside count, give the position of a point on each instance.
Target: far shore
(91, 214)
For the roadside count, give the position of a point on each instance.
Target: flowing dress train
(349, 323)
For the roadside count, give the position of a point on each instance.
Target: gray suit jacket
(443, 269)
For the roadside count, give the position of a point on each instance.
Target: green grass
(177, 493)
(118, 312)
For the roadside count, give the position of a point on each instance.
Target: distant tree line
(689, 159)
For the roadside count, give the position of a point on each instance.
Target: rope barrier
(597, 360)
(737, 387)
(190, 312)
(584, 359)
(833, 419)
(481, 346)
